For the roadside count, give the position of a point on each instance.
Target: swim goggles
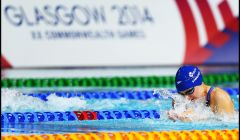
(188, 92)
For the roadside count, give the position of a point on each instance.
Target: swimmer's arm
(222, 103)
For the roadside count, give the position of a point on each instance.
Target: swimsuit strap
(208, 96)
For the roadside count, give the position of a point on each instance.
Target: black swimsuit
(208, 96)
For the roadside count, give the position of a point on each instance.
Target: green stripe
(133, 81)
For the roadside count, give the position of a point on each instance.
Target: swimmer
(189, 84)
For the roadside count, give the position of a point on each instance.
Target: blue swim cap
(187, 76)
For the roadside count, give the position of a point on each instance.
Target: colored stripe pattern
(163, 135)
(137, 81)
(20, 117)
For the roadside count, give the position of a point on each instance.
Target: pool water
(15, 101)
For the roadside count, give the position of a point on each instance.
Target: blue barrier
(132, 95)
(30, 117)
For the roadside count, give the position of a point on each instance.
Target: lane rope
(163, 135)
(132, 81)
(20, 117)
(116, 94)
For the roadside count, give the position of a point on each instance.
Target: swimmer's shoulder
(219, 94)
(221, 101)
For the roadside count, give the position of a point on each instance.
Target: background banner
(74, 33)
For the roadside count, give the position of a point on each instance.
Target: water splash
(198, 111)
(163, 92)
(15, 101)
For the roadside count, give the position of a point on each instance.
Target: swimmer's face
(193, 93)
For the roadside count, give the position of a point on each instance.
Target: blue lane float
(30, 117)
(131, 95)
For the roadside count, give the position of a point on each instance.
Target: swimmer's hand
(182, 117)
(172, 115)
(185, 116)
